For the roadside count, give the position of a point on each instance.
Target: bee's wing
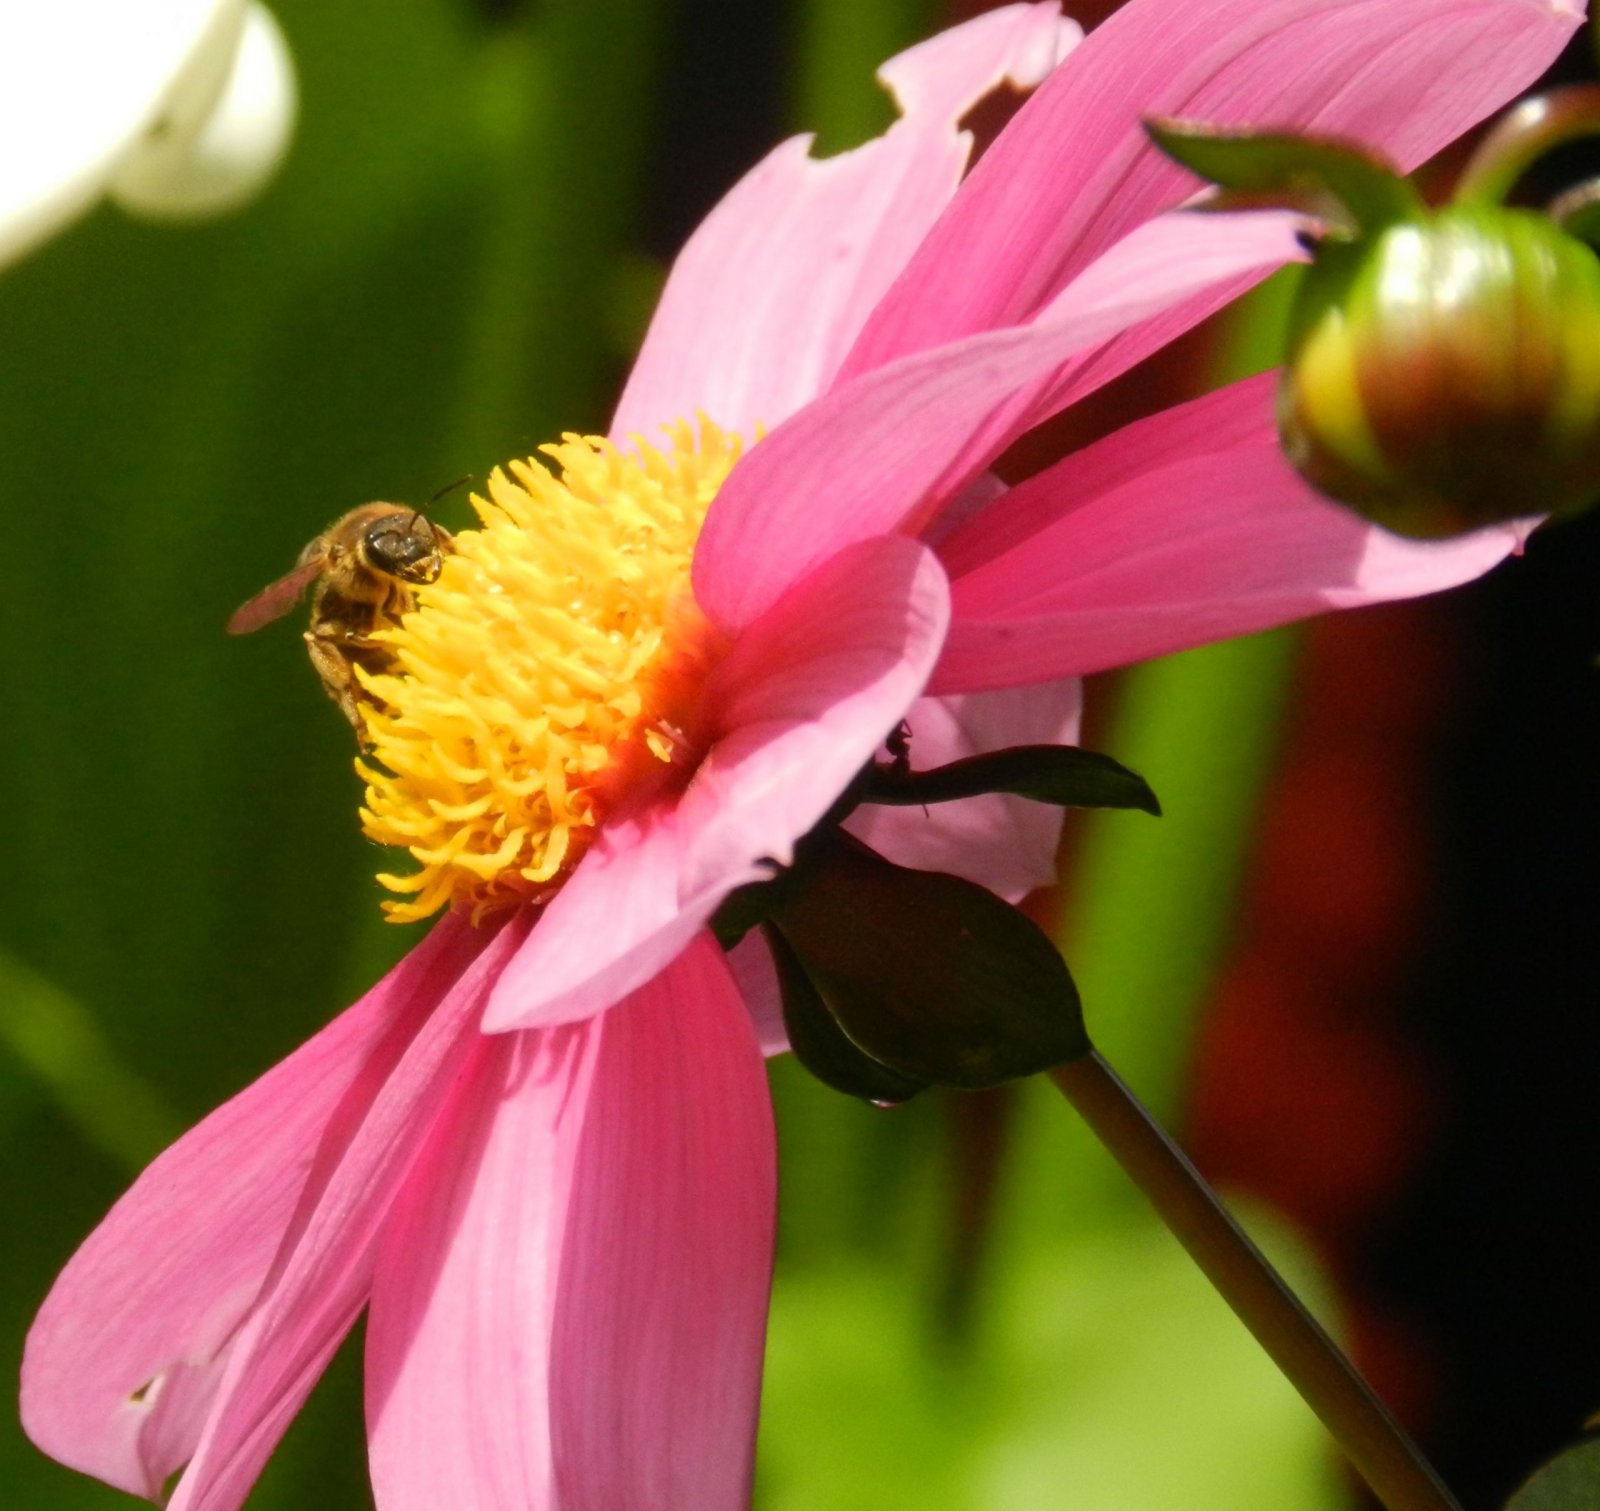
(275, 600)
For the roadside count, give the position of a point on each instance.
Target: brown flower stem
(1375, 1443)
(980, 1129)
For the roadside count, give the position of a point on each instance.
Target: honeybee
(365, 565)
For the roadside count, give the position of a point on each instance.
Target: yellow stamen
(552, 670)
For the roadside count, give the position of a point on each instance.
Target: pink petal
(571, 1299)
(1007, 844)
(756, 976)
(970, 502)
(801, 702)
(884, 452)
(809, 694)
(151, 1304)
(324, 1273)
(795, 256)
(1182, 529)
(620, 919)
(1073, 172)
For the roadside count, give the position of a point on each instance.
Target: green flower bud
(1443, 367)
(1444, 373)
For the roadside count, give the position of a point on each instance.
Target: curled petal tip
(219, 143)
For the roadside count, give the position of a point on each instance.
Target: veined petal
(126, 1357)
(885, 452)
(570, 1303)
(800, 704)
(323, 1276)
(796, 255)
(1181, 529)
(1073, 172)
(662, 1295)
(1007, 844)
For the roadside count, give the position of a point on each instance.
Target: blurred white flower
(173, 108)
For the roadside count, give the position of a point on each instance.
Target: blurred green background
(972, 1312)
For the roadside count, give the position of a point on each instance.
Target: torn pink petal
(884, 452)
(1007, 844)
(1073, 172)
(950, 72)
(1182, 529)
(322, 1278)
(570, 1300)
(794, 258)
(128, 1351)
(798, 706)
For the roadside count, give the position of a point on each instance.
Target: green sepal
(929, 974)
(1531, 129)
(1568, 1482)
(1577, 211)
(1298, 171)
(1060, 774)
(821, 1045)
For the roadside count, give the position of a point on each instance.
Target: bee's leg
(337, 673)
(344, 637)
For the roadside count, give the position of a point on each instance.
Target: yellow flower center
(549, 672)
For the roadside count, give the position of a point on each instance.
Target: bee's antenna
(448, 488)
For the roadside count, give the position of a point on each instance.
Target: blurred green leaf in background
(446, 274)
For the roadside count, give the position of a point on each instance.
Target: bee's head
(405, 544)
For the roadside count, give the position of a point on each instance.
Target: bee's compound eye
(404, 546)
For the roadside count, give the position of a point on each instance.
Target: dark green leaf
(929, 974)
(1294, 169)
(1059, 774)
(820, 1044)
(1569, 1482)
(745, 907)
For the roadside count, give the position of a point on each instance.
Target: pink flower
(562, 1227)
